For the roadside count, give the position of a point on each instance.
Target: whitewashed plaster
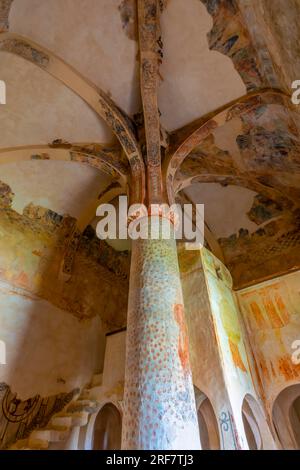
(195, 79)
(88, 35)
(40, 109)
(47, 350)
(64, 187)
(225, 207)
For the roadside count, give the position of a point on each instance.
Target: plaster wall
(206, 367)
(40, 109)
(217, 347)
(52, 322)
(271, 314)
(47, 350)
(50, 356)
(35, 245)
(110, 388)
(186, 85)
(273, 23)
(82, 32)
(114, 362)
(231, 348)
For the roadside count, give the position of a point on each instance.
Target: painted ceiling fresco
(213, 80)
(267, 162)
(256, 148)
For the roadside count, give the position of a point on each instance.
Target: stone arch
(185, 140)
(107, 428)
(286, 416)
(108, 415)
(250, 413)
(100, 102)
(257, 426)
(208, 424)
(107, 160)
(243, 181)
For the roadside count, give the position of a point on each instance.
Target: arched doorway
(250, 411)
(295, 420)
(286, 417)
(107, 429)
(208, 425)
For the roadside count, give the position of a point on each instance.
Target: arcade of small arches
(104, 431)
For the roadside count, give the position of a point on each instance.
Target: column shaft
(159, 402)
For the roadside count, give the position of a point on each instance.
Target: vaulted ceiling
(228, 132)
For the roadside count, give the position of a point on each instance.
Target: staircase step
(77, 418)
(36, 444)
(50, 435)
(83, 405)
(74, 414)
(61, 421)
(19, 445)
(80, 418)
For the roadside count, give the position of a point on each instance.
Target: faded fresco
(56, 291)
(202, 106)
(272, 317)
(35, 245)
(218, 350)
(227, 324)
(18, 418)
(203, 346)
(280, 33)
(254, 145)
(231, 36)
(264, 159)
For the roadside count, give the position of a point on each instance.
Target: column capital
(164, 211)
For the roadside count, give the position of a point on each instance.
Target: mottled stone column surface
(159, 402)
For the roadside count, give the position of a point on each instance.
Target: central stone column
(159, 402)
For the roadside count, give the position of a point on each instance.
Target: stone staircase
(75, 414)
